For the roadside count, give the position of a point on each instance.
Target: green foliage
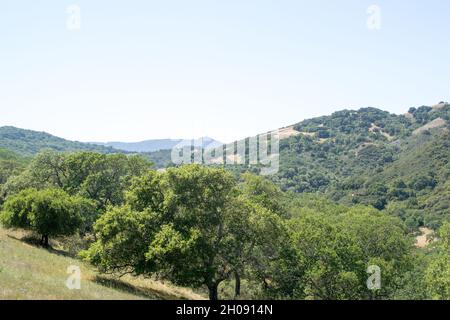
(188, 225)
(10, 164)
(329, 259)
(49, 212)
(333, 249)
(437, 275)
(122, 241)
(99, 177)
(264, 192)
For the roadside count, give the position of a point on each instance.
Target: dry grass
(32, 273)
(439, 106)
(436, 123)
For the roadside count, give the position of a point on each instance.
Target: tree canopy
(48, 212)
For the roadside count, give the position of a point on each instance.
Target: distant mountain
(159, 144)
(28, 142)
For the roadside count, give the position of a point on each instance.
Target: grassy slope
(28, 272)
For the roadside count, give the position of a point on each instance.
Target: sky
(135, 70)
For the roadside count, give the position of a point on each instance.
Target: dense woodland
(352, 191)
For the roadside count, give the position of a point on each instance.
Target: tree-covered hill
(414, 186)
(373, 157)
(28, 142)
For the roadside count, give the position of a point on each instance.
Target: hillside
(342, 146)
(414, 186)
(29, 272)
(373, 157)
(347, 138)
(28, 142)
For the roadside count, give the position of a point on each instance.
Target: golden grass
(28, 272)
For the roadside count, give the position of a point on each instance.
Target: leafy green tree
(259, 237)
(49, 212)
(331, 249)
(437, 275)
(108, 176)
(330, 259)
(265, 192)
(384, 242)
(411, 284)
(188, 225)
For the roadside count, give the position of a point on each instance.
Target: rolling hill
(28, 142)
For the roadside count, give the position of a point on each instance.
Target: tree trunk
(265, 284)
(213, 294)
(237, 286)
(44, 240)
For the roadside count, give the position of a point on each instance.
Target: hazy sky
(138, 70)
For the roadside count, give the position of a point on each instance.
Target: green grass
(29, 272)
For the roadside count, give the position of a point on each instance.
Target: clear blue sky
(227, 69)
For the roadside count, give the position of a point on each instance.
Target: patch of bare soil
(423, 240)
(287, 132)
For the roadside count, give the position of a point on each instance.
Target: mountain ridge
(153, 145)
(29, 142)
